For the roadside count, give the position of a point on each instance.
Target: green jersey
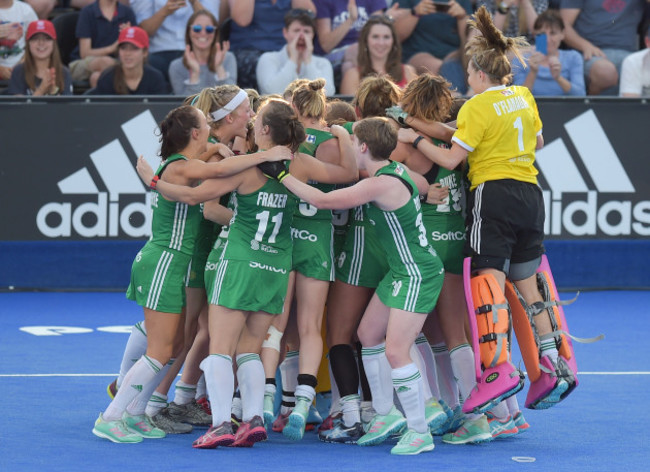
(260, 229)
(174, 225)
(315, 138)
(404, 238)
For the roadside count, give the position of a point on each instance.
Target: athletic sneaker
(141, 424)
(330, 422)
(412, 443)
(443, 428)
(204, 403)
(501, 428)
(191, 413)
(269, 404)
(473, 432)
(280, 422)
(313, 418)
(250, 432)
(342, 434)
(115, 431)
(453, 423)
(112, 389)
(434, 414)
(554, 396)
(295, 427)
(221, 435)
(520, 422)
(382, 426)
(164, 421)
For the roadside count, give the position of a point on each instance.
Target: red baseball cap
(134, 35)
(41, 26)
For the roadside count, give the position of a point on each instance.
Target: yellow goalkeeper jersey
(499, 129)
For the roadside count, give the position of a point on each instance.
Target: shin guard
(551, 381)
(489, 321)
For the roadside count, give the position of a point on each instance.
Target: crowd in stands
(577, 47)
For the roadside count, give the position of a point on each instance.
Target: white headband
(230, 106)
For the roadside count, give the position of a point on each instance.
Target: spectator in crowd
(433, 33)
(41, 72)
(338, 25)
(515, 17)
(257, 28)
(275, 70)
(14, 18)
(131, 76)
(42, 8)
(206, 62)
(98, 28)
(556, 72)
(605, 33)
(380, 52)
(165, 25)
(635, 72)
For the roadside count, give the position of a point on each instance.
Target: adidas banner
(75, 212)
(71, 174)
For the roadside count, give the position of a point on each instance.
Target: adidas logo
(105, 216)
(576, 194)
(137, 387)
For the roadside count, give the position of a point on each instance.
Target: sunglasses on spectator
(208, 28)
(298, 12)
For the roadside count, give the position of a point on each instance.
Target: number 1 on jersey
(519, 126)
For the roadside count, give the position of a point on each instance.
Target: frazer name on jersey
(272, 200)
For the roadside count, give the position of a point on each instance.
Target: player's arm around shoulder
(365, 191)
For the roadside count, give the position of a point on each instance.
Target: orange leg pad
(492, 319)
(524, 333)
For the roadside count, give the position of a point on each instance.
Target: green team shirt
(402, 233)
(315, 138)
(174, 225)
(260, 229)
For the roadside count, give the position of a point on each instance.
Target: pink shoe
(250, 432)
(280, 422)
(216, 436)
(496, 384)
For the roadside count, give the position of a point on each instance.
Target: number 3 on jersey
(263, 218)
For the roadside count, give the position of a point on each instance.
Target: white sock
(157, 402)
(306, 391)
(135, 348)
(431, 368)
(446, 380)
(378, 372)
(408, 384)
(220, 383)
(462, 363)
(420, 363)
(289, 375)
(513, 404)
(500, 410)
(336, 396)
(350, 407)
(143, 372)
(201, 390)
(139, 404)
(251, 381)
(184, 393)
(549, 349)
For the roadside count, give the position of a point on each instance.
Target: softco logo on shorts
(598, 214)
(104, 216)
